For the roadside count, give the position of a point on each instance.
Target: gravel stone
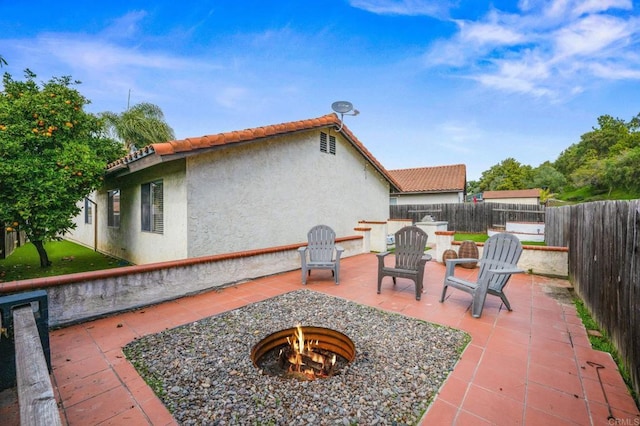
(204, 375)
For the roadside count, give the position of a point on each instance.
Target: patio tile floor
(527, 366)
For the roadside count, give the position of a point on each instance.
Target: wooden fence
(604, 255)
(9, 241)
(557, 226)
(604, 267)
(471, 217)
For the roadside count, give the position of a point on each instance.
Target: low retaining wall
(79, 297)
(541, 260)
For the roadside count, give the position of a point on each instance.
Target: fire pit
(205, 372)
(305, 353)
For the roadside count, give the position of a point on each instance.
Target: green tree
(52, 155)
(138, 126)
(509, 174)
(623, 171)
(583, 163)
(547, 177)
(473, 187)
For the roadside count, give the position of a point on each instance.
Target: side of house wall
(524, 200)
(272, 192)
(128, 241)
(436, 198)
(84, 233)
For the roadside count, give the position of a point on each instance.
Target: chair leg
(444, 293)
(418, 290)
(304, 276)
(394, 280)
(505, 301)
(379, 282)
(477, 305)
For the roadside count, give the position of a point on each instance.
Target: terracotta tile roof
(432, 179)
(515, 193)
(255, 134)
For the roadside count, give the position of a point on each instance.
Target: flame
(301, 349)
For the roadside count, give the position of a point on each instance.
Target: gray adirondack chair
(498, 262)
(410, 258)
(321, 252)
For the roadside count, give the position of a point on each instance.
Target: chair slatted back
(501, 251)
(322, 241)
(411, 242)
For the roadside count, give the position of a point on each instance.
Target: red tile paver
(528, 366)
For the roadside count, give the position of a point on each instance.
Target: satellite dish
(342, 107)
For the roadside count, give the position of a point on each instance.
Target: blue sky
(436, 82)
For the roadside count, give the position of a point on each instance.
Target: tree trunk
(44, 259)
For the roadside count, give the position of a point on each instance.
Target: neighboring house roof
(164, 151)
(432, 179)
(514, 193)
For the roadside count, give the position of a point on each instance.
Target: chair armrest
(451, 265)
(507, 271)
(302, 249)
(461, 260)
(381, 257)
(339, 251)
(424, 259)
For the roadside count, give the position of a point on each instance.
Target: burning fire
(306, 358)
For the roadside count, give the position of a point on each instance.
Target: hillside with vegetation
(603, 165)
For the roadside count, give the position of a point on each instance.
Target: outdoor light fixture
(343, 108)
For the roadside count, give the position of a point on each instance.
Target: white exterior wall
(525, 200)
(128, 241)
(84, 232)
(271, 193)
(437, 198)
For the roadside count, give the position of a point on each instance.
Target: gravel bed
(204, 374)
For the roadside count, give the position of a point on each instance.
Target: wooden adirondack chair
(319, 252)
(410, 258)
(498, 262)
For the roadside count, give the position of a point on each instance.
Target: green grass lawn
(66, 258)
(482, 237)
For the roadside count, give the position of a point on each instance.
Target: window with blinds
(88, 211)
(152, 207)
(113, 208)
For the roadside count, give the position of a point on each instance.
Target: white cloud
(233, 97)
(614, 72)
(435, 8)
(125, 26)
(551, 49)
(461, 137)
(489, 34)
(592, 35)
(596, 6)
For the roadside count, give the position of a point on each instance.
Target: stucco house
(235, 191)
(430, 185)
(515, 196)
